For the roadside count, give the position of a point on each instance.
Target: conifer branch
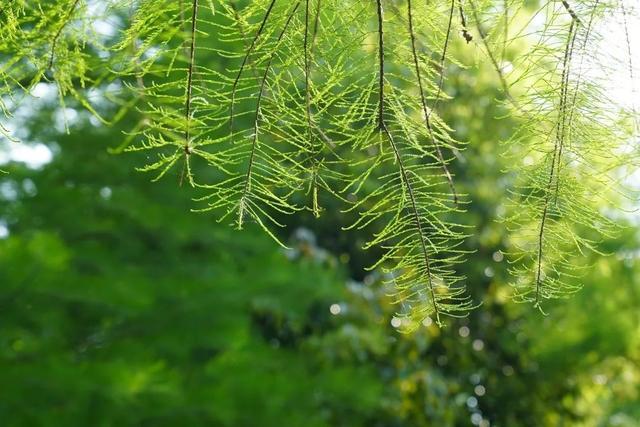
(380, 65)
(320, 90)
(423, 103)
(256, 122)
(443, 57)
(557, 155)
(583, 53)
(416, 217)
(561, 130)
(491, 55)
(411, 232)
(58, 33)
(244, 61)
(405, 178)
(307, 95)
(190, 70)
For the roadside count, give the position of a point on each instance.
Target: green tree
(121, 308)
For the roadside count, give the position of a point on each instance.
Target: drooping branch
(189, 90)
(307, 100)
(380, 64)
(413, 208)
(256, 122)
(505, 28)
(307, 93)
(491, 54)
(556, 157)
(443, 57)
(636, 122)
(244, 61)
(190, 72)
(579, 76)
(561, 131)
(304, 93)
(423, 103)
(58, 33)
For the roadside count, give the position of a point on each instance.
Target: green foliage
(50, 41)
(269, 108)
(125, 311)
(559, 148)
(307, 107)
(118, 309)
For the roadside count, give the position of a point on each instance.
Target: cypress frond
(421, 246)
(571, 164)
(266, 107)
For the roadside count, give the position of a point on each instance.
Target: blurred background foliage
(119, 307)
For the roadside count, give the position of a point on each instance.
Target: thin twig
(64, 23)
(190, 72)
(403, 172)
(244, 61)
(188, 96)
(580, 70)
(505, 29)
(256, 121)
(316, 23)
(307, 94)
(630, 63)
(380, 65)
(564, 91)
(465, 32)
(423, 102)
(443, 58)
(492, 58)
(238, 19)
(573, 14)
(243, 34)
(557, 151)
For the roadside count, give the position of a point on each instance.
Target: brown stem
(492, 58)
(190, 71)
(573, 14)
(403, 172)
(557, 152)
(443, 57)
(188, 96)
(380, 65)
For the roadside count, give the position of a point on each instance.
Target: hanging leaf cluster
(268, 107)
